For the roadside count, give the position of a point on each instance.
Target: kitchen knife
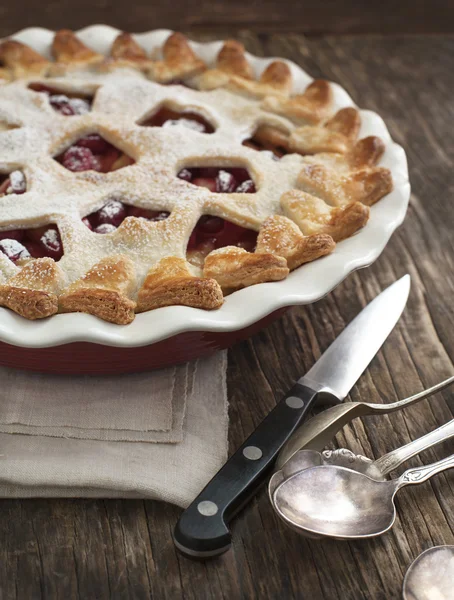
(202, 530)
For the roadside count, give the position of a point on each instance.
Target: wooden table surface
(123, 549)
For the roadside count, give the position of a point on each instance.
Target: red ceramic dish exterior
(83, 358)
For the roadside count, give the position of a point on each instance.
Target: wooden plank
(310, 16)
(123, 549)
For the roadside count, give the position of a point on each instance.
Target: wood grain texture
(123, 549)
(310, 17)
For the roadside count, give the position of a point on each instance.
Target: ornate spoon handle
(393, 459)
(421, 474)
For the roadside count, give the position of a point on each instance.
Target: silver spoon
(316, 433)
(376, 469)
(336, 502)
(431, 575)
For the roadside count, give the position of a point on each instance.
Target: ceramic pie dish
(223, 229)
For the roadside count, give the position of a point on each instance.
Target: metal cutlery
(376, 469)
(336, 502)
(202, 530)
(317, 432)
(431, 575)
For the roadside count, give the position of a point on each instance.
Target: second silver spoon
(336, 502)
(376, 469)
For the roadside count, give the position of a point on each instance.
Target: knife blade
(340, 366)
(202, 529)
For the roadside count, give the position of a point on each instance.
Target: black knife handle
(202, 531)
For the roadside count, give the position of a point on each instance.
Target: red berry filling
(77, 159)
(95, 143)
(93, 152)
(212, 233)
(65, 103)
(166, 117)
(20, 244)
(114, 212)
(14, 183)
(220, 180)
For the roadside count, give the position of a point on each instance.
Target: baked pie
(136, 181)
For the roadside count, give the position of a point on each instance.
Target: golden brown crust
(312, 106)
(342, 179)
(366, 152)
(272, 137)
(281, 237)
(69, 50)
(104, 291)
(32, 293)
(212, 79)
(125, 47)
(313, 215)
(313, 140)
(234, 268)
(170, 283)
(30, 304)
(346, 122)
(125, 52)
(179, 60)
(318, 181)
(347, 221)
(176, 50)
(105, 304)
(276, 79)
(21, 60)
(338, 134)
(232, 59)
(278, 76)
(368, 185)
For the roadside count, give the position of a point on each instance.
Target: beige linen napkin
(146, 407)
(45, 458)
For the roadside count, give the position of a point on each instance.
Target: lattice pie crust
(317, 193)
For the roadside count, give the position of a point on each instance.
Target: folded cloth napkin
(140, 407)
(158, 435)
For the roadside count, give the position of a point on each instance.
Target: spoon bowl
(431, 575)
(333, 501)
(301, 460)
(356, 506)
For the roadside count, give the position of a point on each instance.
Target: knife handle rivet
(252, 453)
(207, 508)
(294, 402)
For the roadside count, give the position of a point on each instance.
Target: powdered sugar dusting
(122, 100)
(17, 183)
(14, 249)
